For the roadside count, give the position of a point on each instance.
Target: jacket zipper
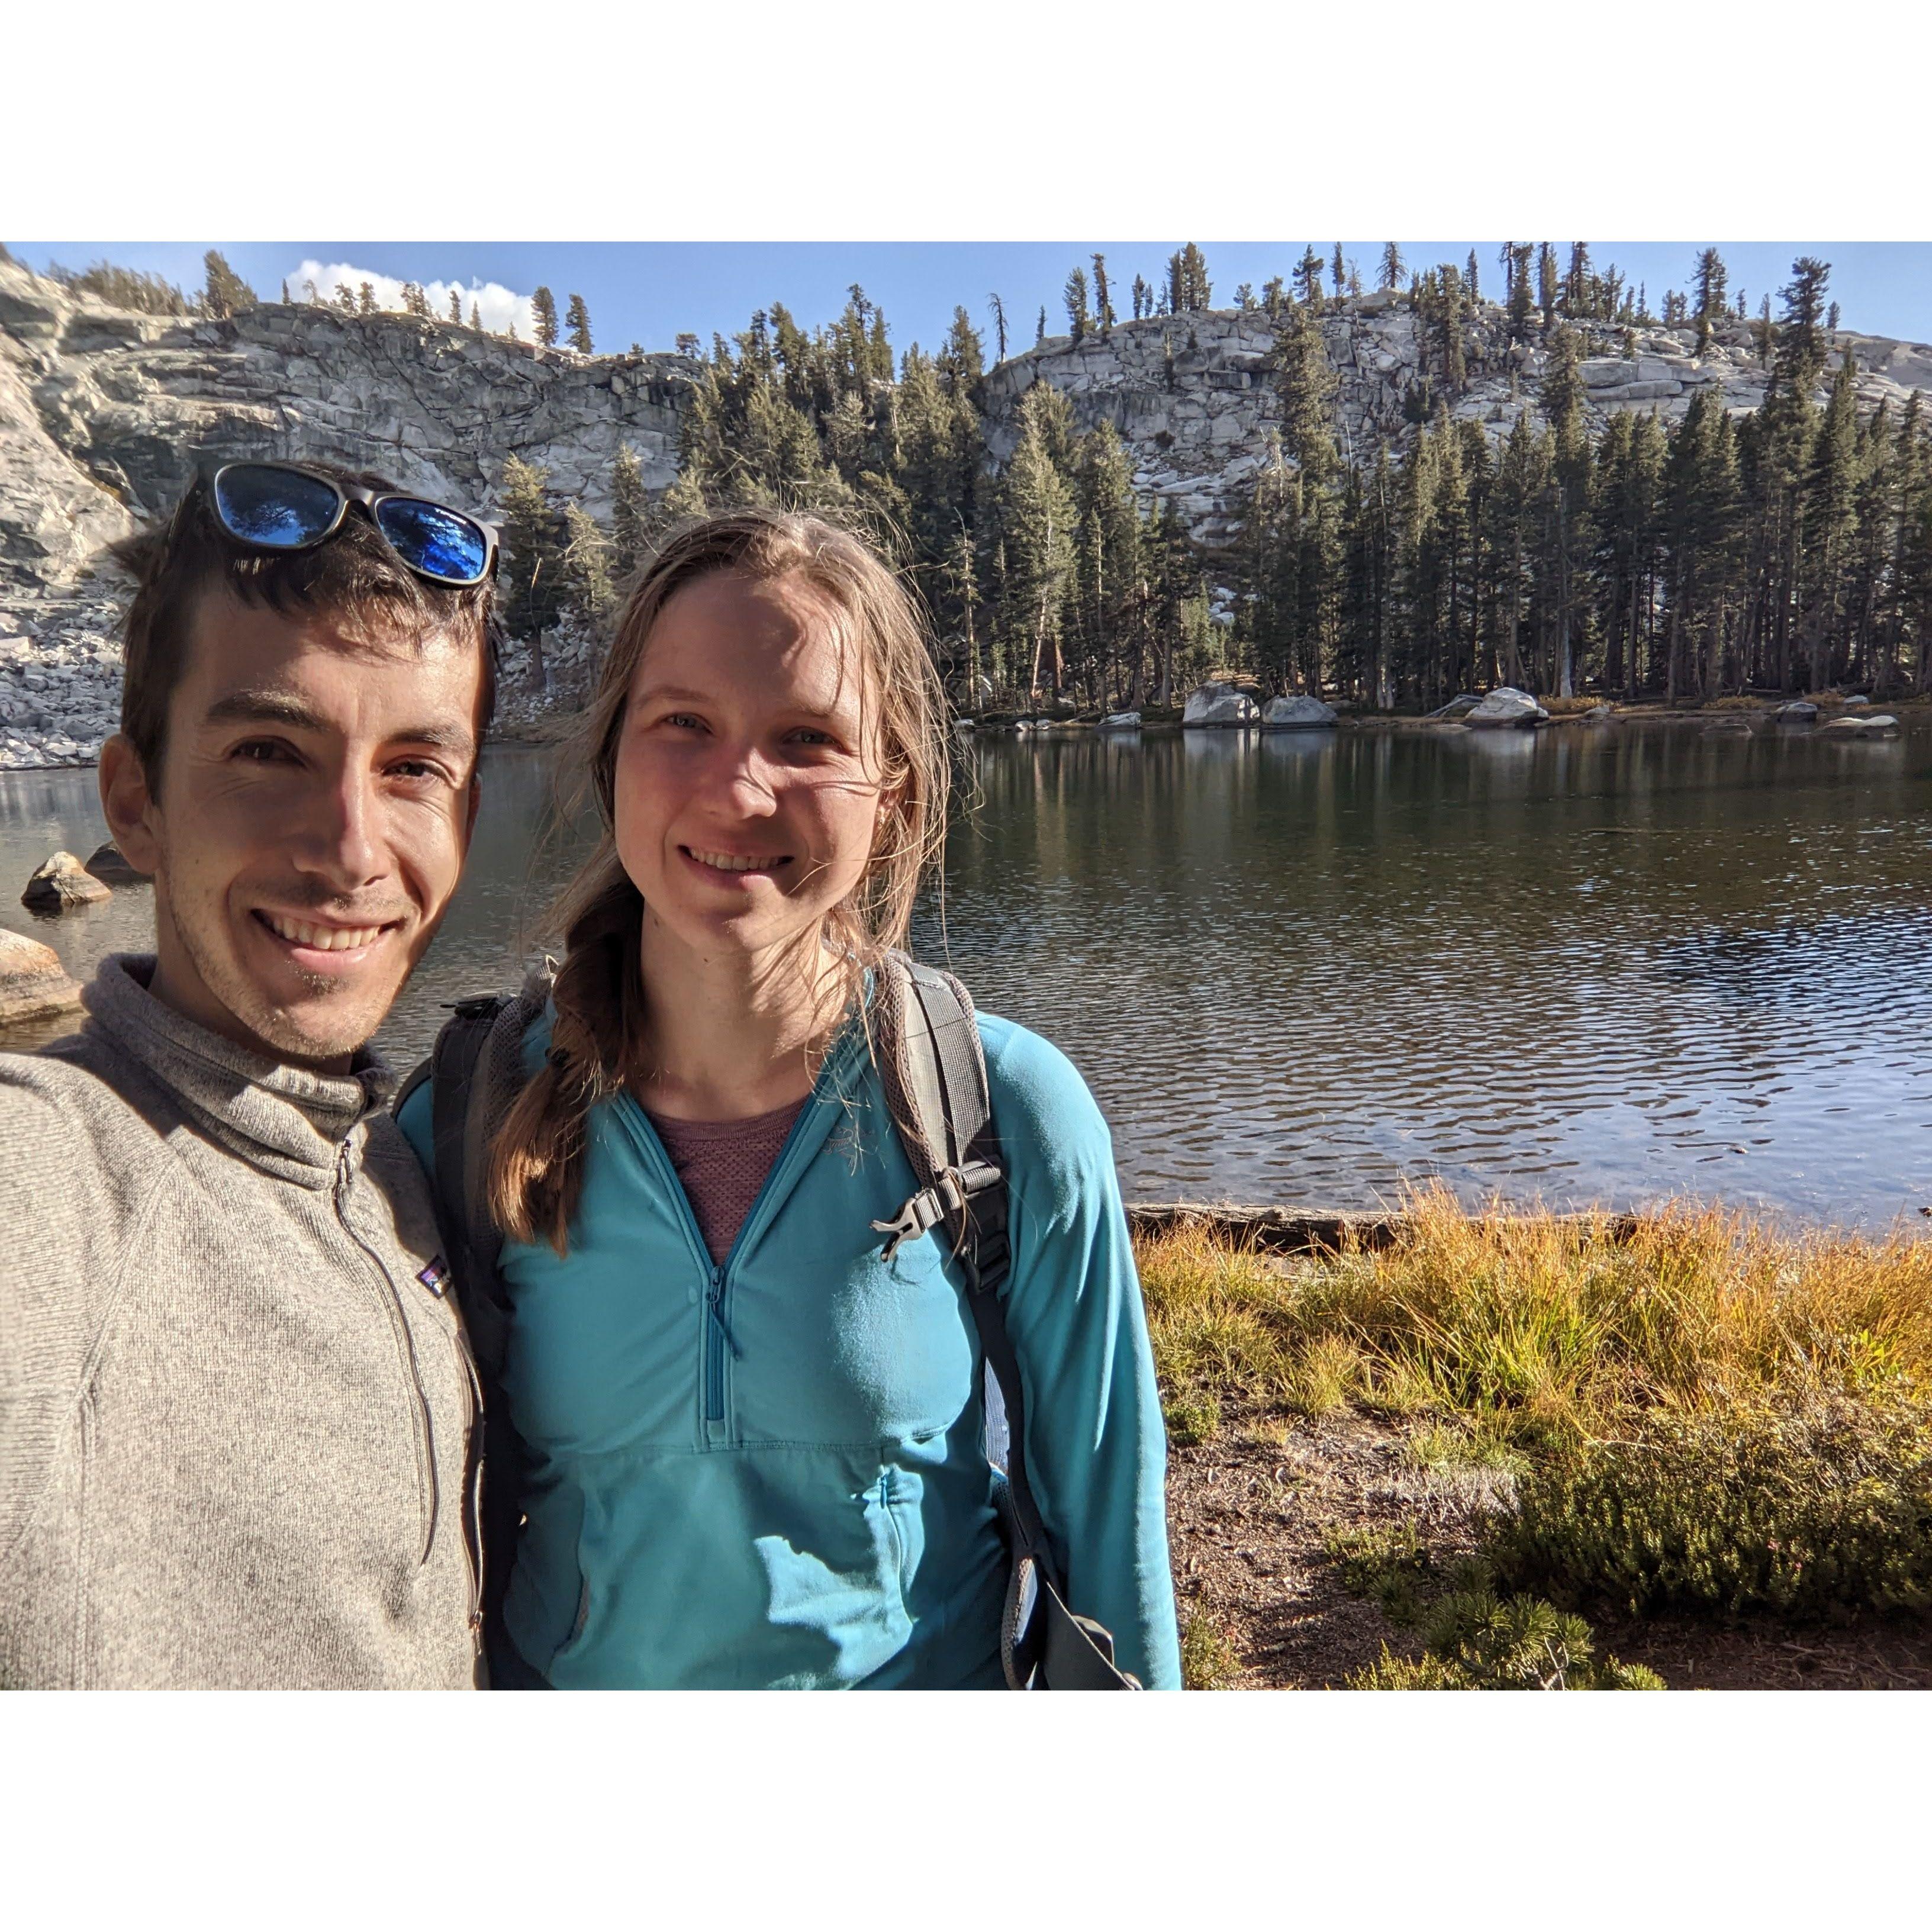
(406, 1348)
(718, 1339)
(473, 1477)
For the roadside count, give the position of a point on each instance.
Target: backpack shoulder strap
(933, 1066)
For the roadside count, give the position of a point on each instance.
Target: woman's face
(746, 788)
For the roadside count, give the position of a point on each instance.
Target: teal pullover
(770, 1473)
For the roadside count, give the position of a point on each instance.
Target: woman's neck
(728, 1035)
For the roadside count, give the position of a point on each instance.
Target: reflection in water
(1583, 964)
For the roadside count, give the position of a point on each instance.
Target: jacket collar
(288, 1120)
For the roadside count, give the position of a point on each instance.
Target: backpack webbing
(933, 1068)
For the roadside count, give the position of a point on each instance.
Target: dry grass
(1540, 1331)
(1703, 1413)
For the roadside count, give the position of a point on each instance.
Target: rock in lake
(1882, 725)
(1799, 711)
(1121, 721)
(111, 869)
(1298, 714)
(1506, 708)
(1733, 726)
(1460, 706)
(32, 980)
(62, 883)
(1219, 704)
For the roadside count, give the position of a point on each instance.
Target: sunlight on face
(746, 790)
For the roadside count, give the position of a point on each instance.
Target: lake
(1607, 964)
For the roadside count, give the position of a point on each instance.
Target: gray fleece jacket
(234, 1396)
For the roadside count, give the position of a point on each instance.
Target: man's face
(307, 826)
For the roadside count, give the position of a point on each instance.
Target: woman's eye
(684, 720)
(805, 735)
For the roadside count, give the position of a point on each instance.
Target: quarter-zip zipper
(718, 1341)
(406, 1349)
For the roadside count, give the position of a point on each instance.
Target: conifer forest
(1784, 548)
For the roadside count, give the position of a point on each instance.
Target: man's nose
(340, 837)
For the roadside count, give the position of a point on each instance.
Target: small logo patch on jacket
(436, 1276)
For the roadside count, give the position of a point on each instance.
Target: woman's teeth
(725, 862)
(322, 938)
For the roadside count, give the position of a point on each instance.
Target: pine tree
(1075, 296)
(1562, 401)
(285, 293)
(476, 315)
(531, 571)
(629, 514)
(1103, 305)
(543, 318)
(999, 327)
(225, 294)
(588, 594)
(1037, 522)
(456, 308)
(1338, 273)
(1393, 269)
(1470, 281)
(1274, 297)
(1545, 284)
(1244, 296)
(365, 299)
(576, 322)
(1521, 300)
(1708, 276)
(1308, 277)
(1039, 333)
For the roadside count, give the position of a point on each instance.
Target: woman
(755, 1442)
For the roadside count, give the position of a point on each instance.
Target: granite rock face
(61, 884)
(1298, 714)
(1192, 397)
(104, 414)
(1219, 704)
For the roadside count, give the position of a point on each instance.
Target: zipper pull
(716, 1300)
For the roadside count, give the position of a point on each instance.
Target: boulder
(62, 883)
(111, 869)
(1733, 726)
(1882, 725)
(1298, 714)
(1219, 704)
(1507, 708)
(1121, 721)
(1601, 714)
(1857, 701)
(32, 980)
(1798, 711)
(1460, 706)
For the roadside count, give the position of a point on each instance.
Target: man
(235, 1400)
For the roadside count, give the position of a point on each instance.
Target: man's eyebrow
(265, 707)
(278, 707)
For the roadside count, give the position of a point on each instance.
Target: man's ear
(128, 804)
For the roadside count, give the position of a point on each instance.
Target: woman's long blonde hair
(536, 1161)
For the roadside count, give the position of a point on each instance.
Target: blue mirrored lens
(439, 543)
(276, 509)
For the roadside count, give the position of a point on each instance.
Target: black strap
(474, 1072)
(934, 1070)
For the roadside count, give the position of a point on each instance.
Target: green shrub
(1383, 1562)
(1814, 1510)
(1208, 1661)
(1475, 1641)
(1192, 1417)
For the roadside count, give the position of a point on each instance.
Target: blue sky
(650, 292)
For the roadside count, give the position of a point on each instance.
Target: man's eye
(262, 751)
(417, 768)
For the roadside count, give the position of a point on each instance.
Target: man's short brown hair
(354, 574)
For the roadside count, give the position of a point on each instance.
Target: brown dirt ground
(1248, 1510)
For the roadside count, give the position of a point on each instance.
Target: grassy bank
(1693, 1416)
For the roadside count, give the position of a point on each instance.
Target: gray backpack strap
(934, 1069)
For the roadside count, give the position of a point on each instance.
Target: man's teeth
(725, 862)
(323, 938)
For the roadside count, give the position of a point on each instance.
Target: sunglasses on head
(280, 506)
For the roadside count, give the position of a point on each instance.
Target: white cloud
(496, 306)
